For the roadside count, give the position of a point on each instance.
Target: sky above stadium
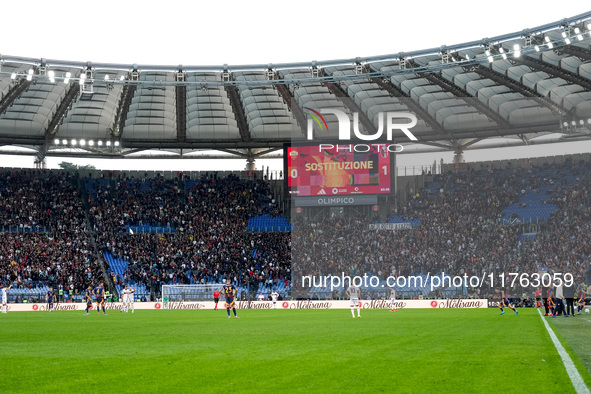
(262, 32)
(256, 31)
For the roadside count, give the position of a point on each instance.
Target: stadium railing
(151, 229)
(18, 229)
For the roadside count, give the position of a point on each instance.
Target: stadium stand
(153, 231)
(207, 241)
(268, 223)
(44, 241)
(460, 231)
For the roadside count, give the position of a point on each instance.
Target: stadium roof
(521, 85)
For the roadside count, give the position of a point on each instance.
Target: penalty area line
(571, 370)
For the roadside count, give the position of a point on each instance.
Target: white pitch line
(571, 370)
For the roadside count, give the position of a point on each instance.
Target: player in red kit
(216, 298)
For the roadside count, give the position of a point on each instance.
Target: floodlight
(516, 50)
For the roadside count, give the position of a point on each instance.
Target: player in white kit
(274, 297)
(5, 298)
(353, 293)
(127, 297)
(131, 298)
(393, 300)
(124, 294)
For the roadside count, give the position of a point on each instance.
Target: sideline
(571, 370)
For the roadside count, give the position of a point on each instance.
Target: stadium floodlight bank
(184, 293)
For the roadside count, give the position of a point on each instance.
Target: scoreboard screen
(337, 170)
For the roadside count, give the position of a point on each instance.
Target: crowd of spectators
(51, 246)
(461, 231)
(210, 242)
(33, 199)
(32, 260)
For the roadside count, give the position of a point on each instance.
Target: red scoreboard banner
(338, 169)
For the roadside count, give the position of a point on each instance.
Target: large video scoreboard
(318, 170)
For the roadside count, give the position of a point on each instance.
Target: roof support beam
(131, 151)
(474, 141)
(512, 84)
(13, 94)
(181, 113)
(122, 110)
(239, 112)
(436, 144)
(53, 126)
(233, 152)
(553, 70)
(496, 132)
(249, 153)
(70, 96)
(463, 94)
(264, 152)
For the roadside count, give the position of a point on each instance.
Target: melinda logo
(345, 124)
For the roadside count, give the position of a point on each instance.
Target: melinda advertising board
(343, 304)
(303, 304)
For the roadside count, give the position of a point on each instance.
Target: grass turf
(439, 350)
(574, 335)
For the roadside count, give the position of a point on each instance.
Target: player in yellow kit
(229, 292)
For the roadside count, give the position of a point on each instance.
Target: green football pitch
(177, 351)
